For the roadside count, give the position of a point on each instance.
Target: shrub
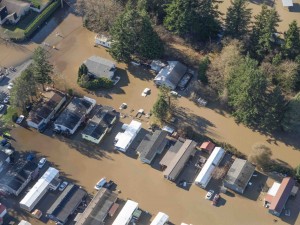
(70, 92)
(203, 66)
(93, 84)
(41, 18)
(14, 117)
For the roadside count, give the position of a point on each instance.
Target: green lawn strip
(42, 17)
(7, 117)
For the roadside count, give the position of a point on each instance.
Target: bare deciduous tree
(99, 15)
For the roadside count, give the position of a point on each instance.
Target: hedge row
(41, 18)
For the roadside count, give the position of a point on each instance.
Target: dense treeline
(257, 72)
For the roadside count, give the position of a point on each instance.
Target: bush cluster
(85, 81)
(93, 84)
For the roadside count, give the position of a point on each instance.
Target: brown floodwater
(85, 163)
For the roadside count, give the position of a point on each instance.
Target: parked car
(146, 92)
(1, 107)
(123, 106)
(6, 100)
(216, 199)
(100, 183)
(20, 119)
(109, 184)
(42, 162)
(30, 157)
(174, 93)
(10, 86)
(209, 194)
(63, 185)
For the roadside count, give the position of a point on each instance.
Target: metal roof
(240, 173)
(126, 213)
(99, 66)
(97, 210)
(282, 194)
(67, 202)
(177, 163)
(165, 161)
(151, 144)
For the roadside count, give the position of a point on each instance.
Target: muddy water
(136, 180)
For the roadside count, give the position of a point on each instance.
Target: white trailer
(125, 215)
(206, 172)
(39, 189)
(103, 41)
(160, 219)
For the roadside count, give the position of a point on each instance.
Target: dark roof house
(152, 145)
(100, 124)
(171, 75)
(179, 160)
(100, 67)
(75, 112)
(17, 177)
(66, 203)
(46, 109)
(239, 175)
(96, 212)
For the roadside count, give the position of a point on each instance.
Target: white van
(100, 183)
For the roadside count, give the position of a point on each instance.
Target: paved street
(8, 79)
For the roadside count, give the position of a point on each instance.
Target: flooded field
(85, 163)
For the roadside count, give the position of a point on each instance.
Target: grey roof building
(66, 203)
(152, 145)
(171, 75)
(18, 176)
(96, 212)
(100, 124)
(75, 112)
(239, 175)
(100, 67)
(179, 160)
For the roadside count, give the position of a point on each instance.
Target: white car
(146, 92)
(9, 86)
(63, 185)
(209, 194)
(20, 119)
(1, 107)
(174, 93)
(100, 183)
(42, 162)
(123, 106)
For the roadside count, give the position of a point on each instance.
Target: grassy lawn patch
(16, 31)
(7, 117)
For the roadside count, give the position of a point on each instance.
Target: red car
(216, 199)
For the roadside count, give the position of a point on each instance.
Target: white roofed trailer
(125, 215)
(206, 172)
(39, 189)
(123, 140)
(160, 219)
(103, 41)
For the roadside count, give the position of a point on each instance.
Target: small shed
(207, 146)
